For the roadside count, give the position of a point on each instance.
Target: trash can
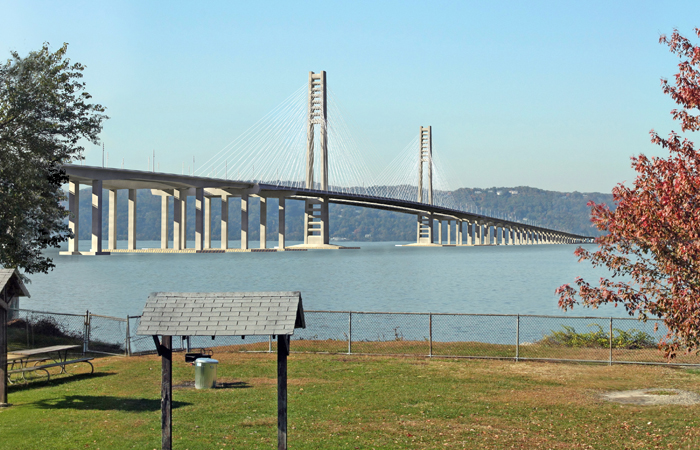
(205, 373)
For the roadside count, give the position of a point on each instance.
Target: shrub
(627, 339)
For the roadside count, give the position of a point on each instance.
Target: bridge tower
(425, 155)
(316, 209)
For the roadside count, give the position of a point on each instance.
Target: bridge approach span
(469, 228)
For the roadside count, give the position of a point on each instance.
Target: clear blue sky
(556, 95)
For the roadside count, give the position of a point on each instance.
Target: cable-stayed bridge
(302, 150)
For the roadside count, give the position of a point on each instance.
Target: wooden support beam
(3, 357)
(282, 352)
(166, 393)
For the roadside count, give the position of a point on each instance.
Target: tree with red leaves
(653, 234)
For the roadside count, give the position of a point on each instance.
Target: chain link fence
(505, 336)
(93, 332)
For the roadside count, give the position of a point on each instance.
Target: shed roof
(7, 275)
(222, 314)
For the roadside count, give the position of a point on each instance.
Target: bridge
(274, 144)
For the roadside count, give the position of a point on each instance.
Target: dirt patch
(657, 396)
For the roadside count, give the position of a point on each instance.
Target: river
(378, 277)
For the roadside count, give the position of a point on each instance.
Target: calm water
(378, 277)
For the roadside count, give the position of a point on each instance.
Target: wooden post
(3, 356)
(282, 351)
(166, 393)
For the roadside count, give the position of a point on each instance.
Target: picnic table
(19, 360)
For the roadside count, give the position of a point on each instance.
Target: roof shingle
(222, 314)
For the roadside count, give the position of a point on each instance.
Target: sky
(550, 94)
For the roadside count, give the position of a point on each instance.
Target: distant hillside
(565, 211)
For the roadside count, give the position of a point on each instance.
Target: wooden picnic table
(57, 349)
(18, 360)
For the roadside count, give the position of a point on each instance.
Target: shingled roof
(222, 314)
(6, 275)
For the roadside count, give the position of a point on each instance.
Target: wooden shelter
(11, 289)
(169, 314)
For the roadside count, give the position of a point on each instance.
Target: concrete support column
(244, 221)
(488, 233)
(96, 217)
(263, 222)
(131, 232)
(164, 206)
(183, 220)
(280, 221)
(449, 232)
(440, 232)
(478, 233)
(177, 220)
(424, 229)
(112, 221)
(224, 222)
(207, 222)
(199, 218)
(460, 232)
(73, 219)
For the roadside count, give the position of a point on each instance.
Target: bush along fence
(608, 340)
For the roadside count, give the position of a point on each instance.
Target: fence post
(430, 331)
(86, 332)
(611, 341)
(127, 341)
(349, 332)
(517, 338)
(269, 344)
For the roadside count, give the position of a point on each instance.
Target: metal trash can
(205, 373)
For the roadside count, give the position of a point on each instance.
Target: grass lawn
(353, 402)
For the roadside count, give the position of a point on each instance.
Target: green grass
(353, 402)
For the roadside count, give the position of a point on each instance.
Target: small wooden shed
(11, 289)
(169, 314)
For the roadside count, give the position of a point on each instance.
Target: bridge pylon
(316, 229)
(425, 155)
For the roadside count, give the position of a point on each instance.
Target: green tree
(45, 115)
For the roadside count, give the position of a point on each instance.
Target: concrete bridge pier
(244, 221)
(164, 210)
(207, 223)
(316, 222)
(112, 220)
(131, 226)
(488, 233)
(282, 226)
(199, 219)
(96, 248)
(224, 222)
(177, 219)
(424, 229)
(263, 222)
(73, 218)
